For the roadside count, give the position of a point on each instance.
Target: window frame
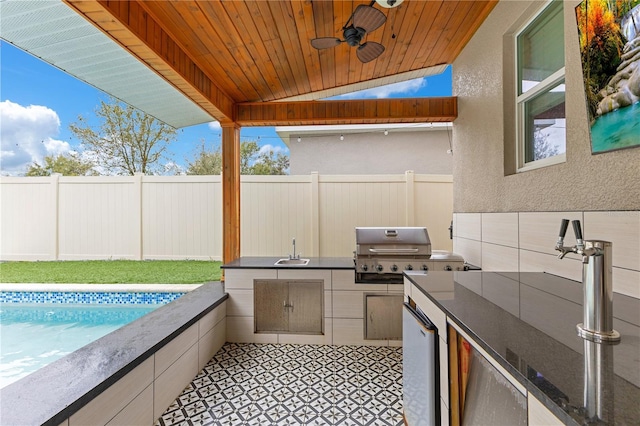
(555, 79)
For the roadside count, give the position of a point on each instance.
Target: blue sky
(38, 102)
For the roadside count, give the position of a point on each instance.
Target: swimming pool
(38, 327)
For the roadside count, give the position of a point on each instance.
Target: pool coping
(55, 392)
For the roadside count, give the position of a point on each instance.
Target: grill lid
(400, 241)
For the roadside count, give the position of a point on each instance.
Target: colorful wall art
(609, 33)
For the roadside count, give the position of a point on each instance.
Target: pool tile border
(91, 297)
(131, 294)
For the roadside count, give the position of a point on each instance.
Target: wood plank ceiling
(234, 58)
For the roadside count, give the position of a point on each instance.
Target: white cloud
(170, 169)
(27, 135)
(215, 125)
(276, 149)
(409, 87)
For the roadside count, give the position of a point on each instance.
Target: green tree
(127, 140)
(252, 161)
(66, 165)
(249, 151)
(206, 163)
(270, 163)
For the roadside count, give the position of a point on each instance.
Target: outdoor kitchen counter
(269, 263)
(527, 323)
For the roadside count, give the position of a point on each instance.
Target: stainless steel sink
(292, 262)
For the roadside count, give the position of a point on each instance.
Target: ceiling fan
(364, 19)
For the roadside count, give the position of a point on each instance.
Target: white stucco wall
(481, 76)
(372, 153)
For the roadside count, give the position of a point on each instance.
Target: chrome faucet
(294, 256)
(564, 250)
(598, 384)
(597, 282)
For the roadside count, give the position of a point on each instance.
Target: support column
(230, 192)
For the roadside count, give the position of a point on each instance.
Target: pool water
(33, 335)
(617, 129)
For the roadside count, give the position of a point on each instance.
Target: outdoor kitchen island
(524, 327)
(342, 301)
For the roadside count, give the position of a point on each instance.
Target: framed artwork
(609, 32)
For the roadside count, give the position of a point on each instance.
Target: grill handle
(396, 250)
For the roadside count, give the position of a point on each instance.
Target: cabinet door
(384, 317)
(306, 310)
(270, 300)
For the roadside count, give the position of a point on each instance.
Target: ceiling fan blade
(369, 51)
(325, 42)
(368, 18)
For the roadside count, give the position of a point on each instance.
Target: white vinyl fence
(180, 217)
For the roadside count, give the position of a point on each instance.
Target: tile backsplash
(525, 241)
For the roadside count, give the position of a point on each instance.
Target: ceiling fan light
(368, 18)
(369, 51)
(389, 3)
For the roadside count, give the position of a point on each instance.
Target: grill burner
(382, 254)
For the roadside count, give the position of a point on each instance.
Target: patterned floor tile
(270, 384)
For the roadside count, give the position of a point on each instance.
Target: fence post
(55, 187)
(137, 181)
(409, 177)
(315, 214)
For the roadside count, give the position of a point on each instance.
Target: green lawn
(111, 271)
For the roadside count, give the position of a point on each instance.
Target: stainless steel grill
(382, 254)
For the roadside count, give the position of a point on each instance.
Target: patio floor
(272, 384)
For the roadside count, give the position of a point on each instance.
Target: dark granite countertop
(56, 391)
(527, 322)
(269, 263)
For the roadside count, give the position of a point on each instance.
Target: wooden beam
(230, 192)
(364, 111)
(133, 28)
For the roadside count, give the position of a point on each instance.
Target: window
(540, 102)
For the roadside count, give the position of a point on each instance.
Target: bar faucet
(597, 282)
(578, 248)
(294, 256)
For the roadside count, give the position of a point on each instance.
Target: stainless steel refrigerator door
(420, 400)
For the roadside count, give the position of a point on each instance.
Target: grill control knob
(409, 268)
(394, 268)
(425, 268)
(379, 268)
(364, 267)
(448, 268)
